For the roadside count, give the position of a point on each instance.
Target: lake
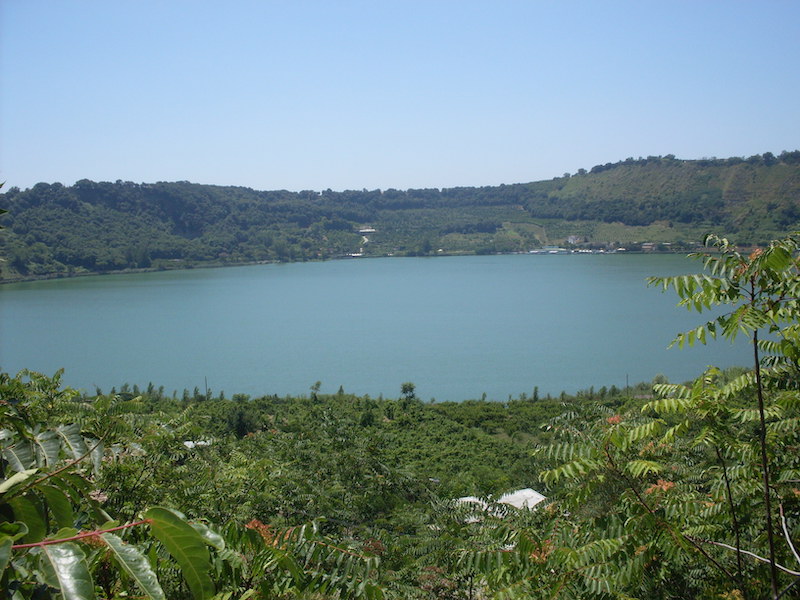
(457, 327)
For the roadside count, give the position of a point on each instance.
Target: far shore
(220, 264)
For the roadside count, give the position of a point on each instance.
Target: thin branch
(788, 587)
(729, 494)
(786, 533)
(762, 438)
(68, 465)
(666, 525)
(751, 554)
(80, 536)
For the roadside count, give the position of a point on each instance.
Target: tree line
(97, 227)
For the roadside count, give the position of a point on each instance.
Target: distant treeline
(57, 230)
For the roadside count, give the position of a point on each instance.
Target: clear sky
(344, 94)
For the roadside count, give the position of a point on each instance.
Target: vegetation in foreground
(655, 203)
(691, 492)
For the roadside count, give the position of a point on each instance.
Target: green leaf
(19, 456)
(15, 479)
(638, 468)
(186, 546)
(572, 470)
(5, 553)
(76, 481)
(778, 258)
(640, 432)
(98, 448)
(65, 568)
(73, 440)
(16, 530)
(136, 565)
(27, 512)
(59, 505)
(48, 447)
(598, 551)
(212, 538)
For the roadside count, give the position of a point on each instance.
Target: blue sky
(349, 95)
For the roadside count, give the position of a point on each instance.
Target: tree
(762, 289)
(676, 497)
(407, 389)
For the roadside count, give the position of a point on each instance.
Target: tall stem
(734, 518)
(773, 571)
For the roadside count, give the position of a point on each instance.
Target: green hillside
(94, 227)
(754, 196)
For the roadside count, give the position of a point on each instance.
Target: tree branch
(675, 535)
(80, 536)
(751, 554)
(69, 465)
(762, 438)
(732, 506)
(786, 533)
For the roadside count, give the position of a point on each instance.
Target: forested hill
(55, 230)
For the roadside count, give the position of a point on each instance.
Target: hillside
(54, 230)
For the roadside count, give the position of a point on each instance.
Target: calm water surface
(457, 327)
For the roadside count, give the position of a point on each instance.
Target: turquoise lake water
(458, 327)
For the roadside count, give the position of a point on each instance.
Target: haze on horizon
(352, 95)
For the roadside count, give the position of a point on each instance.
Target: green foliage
(672, 497)
(97, 227)
(687, 493)
(58, 540)
(186, 546)
(694, 473)
(135, 565)
(63, 567)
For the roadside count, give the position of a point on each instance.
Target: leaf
(65, 568)
(667, 405)
(640, 432)
(16, 530)
(98, 449)
(5, 553)
(19, 456)
(27, 512)
(48, 447)
(638, 468)
(73, 440)
(212, 538)
(186, 546)
(76, 481)
(15, 479)
(59, 505)
(675, 431)
(566, 451)
(778, 258)
(572, 470)
(135, 564)
(598, 551)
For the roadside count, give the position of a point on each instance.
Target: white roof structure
(475, 505)
(525, 498)
(194, 444)
(472, 500)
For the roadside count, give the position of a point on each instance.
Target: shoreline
(219, 265)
